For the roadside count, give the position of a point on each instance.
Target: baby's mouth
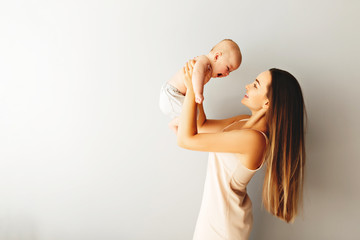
(219, 74)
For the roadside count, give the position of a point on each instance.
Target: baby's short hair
(233, 45)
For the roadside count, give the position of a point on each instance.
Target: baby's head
(225, 57)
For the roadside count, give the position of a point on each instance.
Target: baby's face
(221, 70)
(224, 66)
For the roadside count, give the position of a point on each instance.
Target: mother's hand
(188, 71)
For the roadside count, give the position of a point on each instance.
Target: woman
(238, 148)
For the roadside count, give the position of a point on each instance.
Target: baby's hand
(199, 98)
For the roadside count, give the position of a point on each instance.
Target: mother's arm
(237, 141)
(205, 125)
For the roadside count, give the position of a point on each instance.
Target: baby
(223, 58)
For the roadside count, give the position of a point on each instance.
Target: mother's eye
(255, 85)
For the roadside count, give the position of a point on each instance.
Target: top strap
(251, 129)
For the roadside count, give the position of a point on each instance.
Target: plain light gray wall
(85, 152)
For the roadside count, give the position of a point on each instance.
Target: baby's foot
(174, 128)
(173, 124)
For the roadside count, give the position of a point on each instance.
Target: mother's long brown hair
(285, 155)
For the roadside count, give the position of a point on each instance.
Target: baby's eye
(255, 85)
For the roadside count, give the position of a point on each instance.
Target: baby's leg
(173, 124)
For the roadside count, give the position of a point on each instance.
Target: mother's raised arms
(237, 141)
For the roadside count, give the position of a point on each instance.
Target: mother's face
(256, 92)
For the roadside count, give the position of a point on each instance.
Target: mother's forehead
(264, 78)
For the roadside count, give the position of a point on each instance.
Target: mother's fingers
(192, 62)
(186, 71)
(189, 67)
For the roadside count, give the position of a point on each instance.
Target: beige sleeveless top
(226, 209)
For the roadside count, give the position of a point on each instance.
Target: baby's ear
(217, 55)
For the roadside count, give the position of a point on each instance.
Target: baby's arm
(198, 77)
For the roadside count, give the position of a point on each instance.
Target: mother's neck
(261, 125)
(257, 121)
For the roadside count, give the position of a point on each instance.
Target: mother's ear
(266, 105)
